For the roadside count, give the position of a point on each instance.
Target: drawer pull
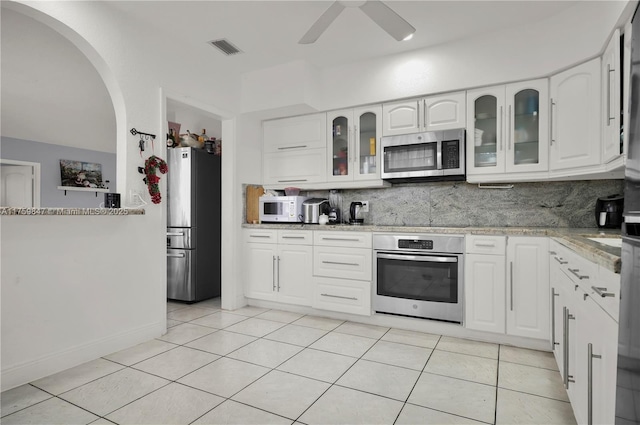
(602, 291)
(338, 262)
(486, 245)
(292, 181)
(559, 260)
(293, 237)
(553, 253)
(292, 147)
(341, 239)
(576, 274)
(339, 296)
(260, 236)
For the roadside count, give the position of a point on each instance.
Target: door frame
(36, 177)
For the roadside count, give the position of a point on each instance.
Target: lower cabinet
(585, 333)
(528, 287)
(279, 265)
(342, 271)
(507, 285)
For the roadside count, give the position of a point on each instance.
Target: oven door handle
(424, 258)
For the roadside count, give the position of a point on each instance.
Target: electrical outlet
(365, 206)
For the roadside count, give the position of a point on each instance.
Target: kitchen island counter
(576, 239)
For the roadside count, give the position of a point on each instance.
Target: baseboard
(31, 370)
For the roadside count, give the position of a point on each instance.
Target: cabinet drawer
(347, 239)
(581, 271)
(295, 237)
(345, 296)
(346, 263)
(260, 236)
(479, 244)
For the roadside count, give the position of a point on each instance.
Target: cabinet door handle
(553, 319)
(278, 264)
(339, 296)
(273, 272)
(292, 147)
(486, 244)
(292, 181)
(418, 113)
(559, 260)
(590, 357)
(567, 378)
(501, 128)
(576, 274)
(602, 291)
(340, 263)
(509, 130)
(511, 282)
(609, 71)
(551, 107)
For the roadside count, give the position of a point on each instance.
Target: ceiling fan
(379, 13)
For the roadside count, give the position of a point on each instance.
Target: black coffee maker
(609, 211)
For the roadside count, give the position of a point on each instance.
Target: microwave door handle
(421, 258)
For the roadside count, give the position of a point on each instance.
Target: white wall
(122, 258)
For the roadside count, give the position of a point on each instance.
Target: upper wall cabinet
(295, 151)
(575, 117)
(611, 111)
(352, 143)
(507, 129)
(433, 113)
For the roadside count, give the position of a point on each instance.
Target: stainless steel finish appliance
(436, 155)
(355, 212)
(193, 224)
(419, 276)
(281, 209)
(628, 383)
(312, 208)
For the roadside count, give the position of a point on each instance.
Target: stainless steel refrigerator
(628, 379)
(193, 225)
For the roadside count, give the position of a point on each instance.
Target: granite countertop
(573, 238)
(71, 211)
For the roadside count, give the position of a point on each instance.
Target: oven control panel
(415, 244)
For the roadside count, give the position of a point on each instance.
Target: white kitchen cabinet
(295, 151)
(432, 113)
(507, 130)
(352, 143)
(342, 272)
(485, 283)
(611, 78)
(575, 117)
(279, 265)
(588, 338)
(528, 287)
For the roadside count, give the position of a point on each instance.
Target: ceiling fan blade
(387, 19)
(322, 23)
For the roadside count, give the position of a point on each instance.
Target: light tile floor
(259, 366)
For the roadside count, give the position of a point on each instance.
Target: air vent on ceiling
(225, 47)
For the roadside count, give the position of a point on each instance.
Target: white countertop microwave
(281, 209)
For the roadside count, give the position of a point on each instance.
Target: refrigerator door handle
(175, 233)
(181, 255)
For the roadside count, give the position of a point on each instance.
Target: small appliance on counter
(313, 208)
(281, 209)
(334, 215)
(355, 212)
(609, 211)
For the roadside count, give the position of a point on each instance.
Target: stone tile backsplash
(459, 204)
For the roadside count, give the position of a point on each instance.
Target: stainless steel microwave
(435, 155)
(281, 209)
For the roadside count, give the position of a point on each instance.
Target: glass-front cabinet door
(353, 137)
(368, 121)
(485, 134)
(527, 126)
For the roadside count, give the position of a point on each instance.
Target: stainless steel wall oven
(419, 276)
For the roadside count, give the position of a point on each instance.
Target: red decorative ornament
(150, 165)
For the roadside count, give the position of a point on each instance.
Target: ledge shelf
(83, 189)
